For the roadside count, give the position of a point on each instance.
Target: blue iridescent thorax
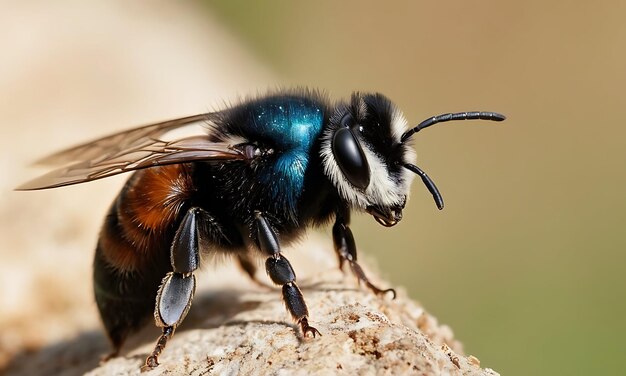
(291, 125)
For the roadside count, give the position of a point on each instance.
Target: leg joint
(279, 269)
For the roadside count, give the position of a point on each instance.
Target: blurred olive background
(526, 263)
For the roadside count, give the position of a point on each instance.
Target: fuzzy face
(376, 125)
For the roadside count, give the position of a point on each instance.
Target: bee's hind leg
(177, 289)
(345, 247)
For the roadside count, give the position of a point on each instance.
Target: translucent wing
(129, 151)
(120, 141)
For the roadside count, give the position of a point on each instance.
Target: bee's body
(267, 170)
(134, 247)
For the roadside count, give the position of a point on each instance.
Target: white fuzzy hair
(382, 189)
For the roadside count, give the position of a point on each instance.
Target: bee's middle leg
(281, 273)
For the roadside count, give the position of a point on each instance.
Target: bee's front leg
(281, 273)
(346, 252)
(177, 289)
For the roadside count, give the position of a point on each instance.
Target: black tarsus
(473, 115)
(152, 361)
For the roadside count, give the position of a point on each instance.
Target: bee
(258, 176)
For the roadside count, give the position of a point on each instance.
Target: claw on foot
(151, 363)
(378, 291)
(304, 324)
(360, 275)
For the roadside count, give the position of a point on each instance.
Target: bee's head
(366, 155)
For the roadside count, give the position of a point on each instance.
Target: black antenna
(494, 116)
(428, 183)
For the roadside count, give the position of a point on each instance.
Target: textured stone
(237, 327)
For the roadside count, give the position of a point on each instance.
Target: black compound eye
(349, 155)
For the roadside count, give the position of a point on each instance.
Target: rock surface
(237, 327)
